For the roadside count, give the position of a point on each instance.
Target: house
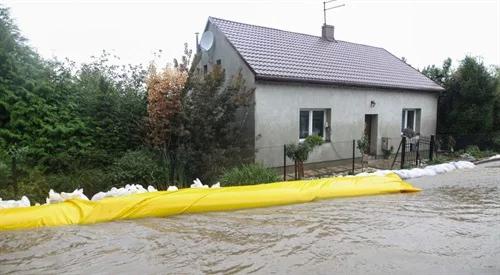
(306, 84)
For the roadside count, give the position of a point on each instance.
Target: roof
(275, 54)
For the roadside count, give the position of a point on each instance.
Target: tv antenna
(329, 8)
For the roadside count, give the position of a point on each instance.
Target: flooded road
(451, 227)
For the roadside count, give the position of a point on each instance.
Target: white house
(306, 84)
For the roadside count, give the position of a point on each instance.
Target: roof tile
(285, 55)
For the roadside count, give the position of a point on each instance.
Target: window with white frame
(314, 122)
(411, 119)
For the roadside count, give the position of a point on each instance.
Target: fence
(335, 157)
(332, 157)
(412, 151)
(427, 148)
(346, 153)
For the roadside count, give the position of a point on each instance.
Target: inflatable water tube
(189, 200)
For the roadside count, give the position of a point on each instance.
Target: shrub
(437, 160)
(36, 184)
(362, 144)
(300, 152)
(363, 147)
(138, 167)
(473, 150)
(4, 172)
(387, 152)
(91, 180)
(496, 142)
(249, 174)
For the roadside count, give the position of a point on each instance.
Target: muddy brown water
(452, 227)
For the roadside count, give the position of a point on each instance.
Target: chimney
(197, 43)
(327, 32)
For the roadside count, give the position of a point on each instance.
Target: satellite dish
(207, 41)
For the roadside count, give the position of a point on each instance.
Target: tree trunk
(295, 165)
(172, 163)
(301, 169)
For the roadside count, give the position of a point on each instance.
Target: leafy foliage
(214, 135)
(36, 111)
(363, 145)
(300, 152)
(97, 124)
(439, 75)
(248, 174)
(468, 105)
(164, 103)
(387, 152)
(67, 120)
(138, 167)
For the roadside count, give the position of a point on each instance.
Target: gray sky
(423, 31)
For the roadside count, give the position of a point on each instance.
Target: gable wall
(232, 64)
(231, 61)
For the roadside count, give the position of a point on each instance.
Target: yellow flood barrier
(168, 203)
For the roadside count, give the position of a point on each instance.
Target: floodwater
(452, 227)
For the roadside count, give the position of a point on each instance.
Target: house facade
(307, 84)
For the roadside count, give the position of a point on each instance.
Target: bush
(91, 180)
(474, 151)
(4, 172)
(387, 152)
(36, 184)
(496, 142)
(134, 167)
(362, 144)
(300, 152)
(437, 160)
(248, 174)
(138, 167)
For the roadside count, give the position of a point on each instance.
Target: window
(205, 69)
(318, 123)
(314, 122)
(304, 124)
(219, 62)
(411, 119)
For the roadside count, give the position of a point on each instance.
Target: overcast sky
(423, 31)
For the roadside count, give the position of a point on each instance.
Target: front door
(371, 133)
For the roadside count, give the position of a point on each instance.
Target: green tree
(68, 119)
(112, 102)
(213, 121)
(300, 152)
(36, 110)
(470, 97)
(363, 147)
(439, 75)
(467, 105)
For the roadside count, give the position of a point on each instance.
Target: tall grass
(248, 174)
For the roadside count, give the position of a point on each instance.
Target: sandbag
(189, 200)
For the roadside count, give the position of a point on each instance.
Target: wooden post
(284, 162)
(403, 146)
(431, 148)
(353, 154)
(417, 152)
(295, 166)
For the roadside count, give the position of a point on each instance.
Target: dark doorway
(371, 132)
